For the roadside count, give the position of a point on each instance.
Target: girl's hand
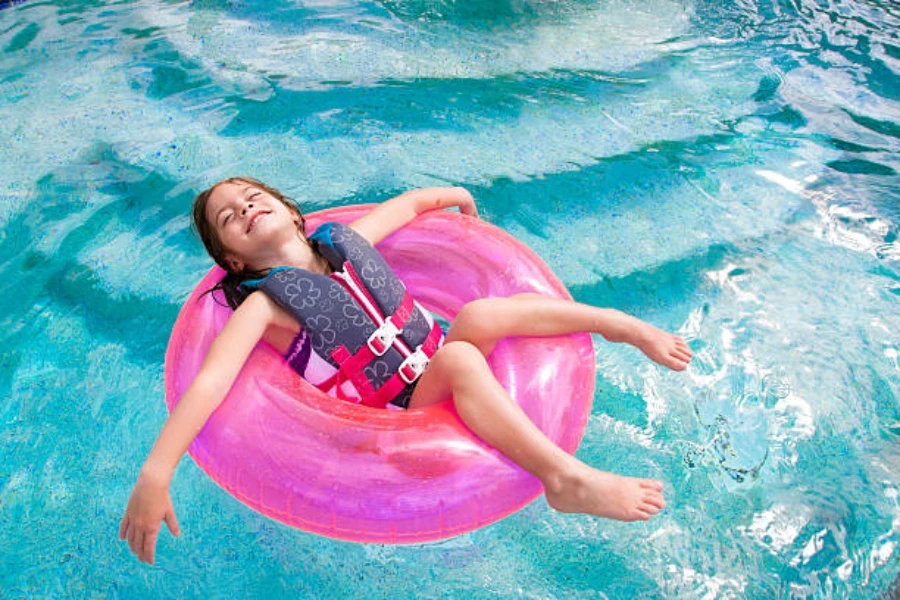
(466, 202)
(149, 505)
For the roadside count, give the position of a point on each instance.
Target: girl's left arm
(391, 215)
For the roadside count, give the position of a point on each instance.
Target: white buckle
(382, 338)
(415, 362)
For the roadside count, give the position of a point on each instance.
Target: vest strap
(336, 381)
(350, 368)
(409, 371)
(353, 365)
(383, 337)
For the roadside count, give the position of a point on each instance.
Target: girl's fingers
(132, 539)
(148, 549)
(139, 546)
(123, 527)
(172, 523)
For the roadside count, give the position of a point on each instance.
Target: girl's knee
(461, 364)
(457, 356)
(452, 364)
(477, 323)
(475, 313)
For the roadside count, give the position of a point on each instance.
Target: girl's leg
(461, 370)
(484, 322)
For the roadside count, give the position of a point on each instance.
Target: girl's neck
(302, 255)
(319, 265)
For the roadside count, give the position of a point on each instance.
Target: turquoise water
(726, 172)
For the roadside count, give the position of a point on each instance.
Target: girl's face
(250, 223)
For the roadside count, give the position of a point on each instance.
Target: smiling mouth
(254, 219)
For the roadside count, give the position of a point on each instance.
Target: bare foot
(663, 348)
(590, 491)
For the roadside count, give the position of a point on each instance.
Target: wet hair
(230, 285)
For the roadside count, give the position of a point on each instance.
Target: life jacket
(361, 319)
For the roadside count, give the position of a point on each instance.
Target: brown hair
(231, 283)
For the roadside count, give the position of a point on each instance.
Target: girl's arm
(150, 503)
(393, 214)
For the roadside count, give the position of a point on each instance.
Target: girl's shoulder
(260, 307)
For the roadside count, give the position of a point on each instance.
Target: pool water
(725, 171)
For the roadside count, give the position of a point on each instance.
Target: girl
(253, 232)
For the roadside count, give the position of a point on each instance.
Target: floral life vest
(360, 320)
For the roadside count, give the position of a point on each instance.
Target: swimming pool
(727, 172)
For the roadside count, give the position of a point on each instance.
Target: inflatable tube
(351, 472)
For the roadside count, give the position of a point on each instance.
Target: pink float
(351, 472)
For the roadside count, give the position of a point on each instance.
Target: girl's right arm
(393, 214)
(150, 503)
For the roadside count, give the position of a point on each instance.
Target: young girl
(254, 232)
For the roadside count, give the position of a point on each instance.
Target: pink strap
(393, 386)
(352, 365)
(351, 368)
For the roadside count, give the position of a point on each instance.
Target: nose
(247, 207)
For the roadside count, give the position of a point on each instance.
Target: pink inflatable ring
(351, 472)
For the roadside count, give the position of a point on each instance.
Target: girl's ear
(234, 264)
